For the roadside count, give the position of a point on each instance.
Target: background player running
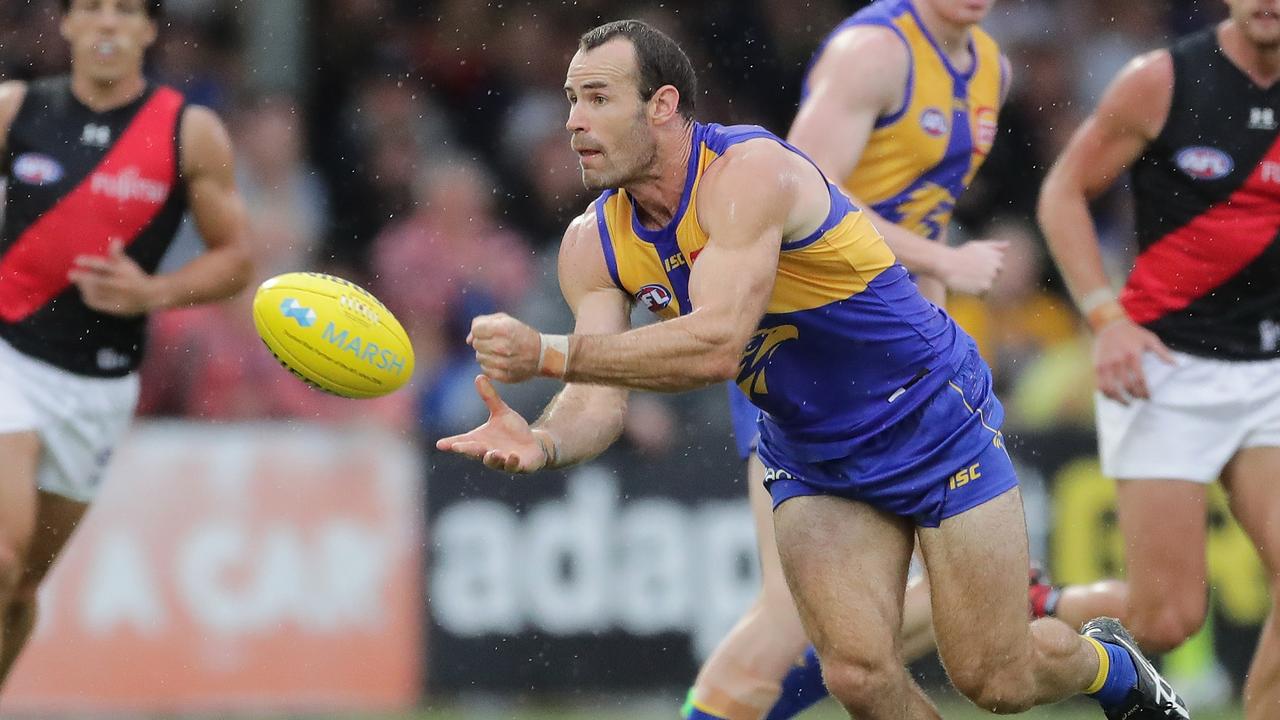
(1188, 357)
(101, 166)
(772, 276)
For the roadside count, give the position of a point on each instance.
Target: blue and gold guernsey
(845, 331)
(847, 354)
(923, 155)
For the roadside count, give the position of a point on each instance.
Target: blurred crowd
(423, 154)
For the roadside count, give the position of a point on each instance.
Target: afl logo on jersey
(654, 297)
(1204, 163)
(37, 169)
(933, 122)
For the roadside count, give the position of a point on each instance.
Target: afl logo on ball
(1204, 163)
(933, 122)
(37, 169)
(654, 297)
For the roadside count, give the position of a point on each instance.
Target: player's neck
(1261, 64)
(102, 96)
(657, 196)
(952, 39)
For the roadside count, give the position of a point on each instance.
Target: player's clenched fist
(507, 349)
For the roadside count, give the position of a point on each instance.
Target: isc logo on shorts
(963, 477)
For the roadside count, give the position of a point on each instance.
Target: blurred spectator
(447, 262)
(1018, 319)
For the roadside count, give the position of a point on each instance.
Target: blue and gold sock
(1116, 674)
(801, 689)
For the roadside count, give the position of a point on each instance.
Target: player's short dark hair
(155, 8)
(659, 59)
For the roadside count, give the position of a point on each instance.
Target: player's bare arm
(861, 76)
(1129, 116)
(582, 420)
(11, 95)
(115, 284)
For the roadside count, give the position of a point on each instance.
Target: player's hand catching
(972, 267)
(114, 283)
(505, 442)
(1118, 348)
(507, 349)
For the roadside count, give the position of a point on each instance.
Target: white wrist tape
(553, 357)
(1096, 299)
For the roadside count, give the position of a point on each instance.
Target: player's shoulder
(853, 47)
(1150, 71)
(582, 237)
(764, 160)
(203, 139)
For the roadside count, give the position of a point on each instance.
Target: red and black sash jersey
(77, 179)
(1207, 277)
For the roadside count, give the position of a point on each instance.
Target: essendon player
(101, 166)
(1188, 356)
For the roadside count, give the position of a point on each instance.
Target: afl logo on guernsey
(1204, 163)
(654, 297)
(37, 169)
(933, 122)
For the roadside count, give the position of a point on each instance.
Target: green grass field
(608, 709)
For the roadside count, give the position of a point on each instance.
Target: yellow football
(333, 334)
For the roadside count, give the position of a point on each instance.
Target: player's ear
(665, 104)
(153, 31)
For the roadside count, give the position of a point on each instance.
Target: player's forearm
(581, 422)
(1068, 228)
(687, 353)
(217, 274)
(917, 253)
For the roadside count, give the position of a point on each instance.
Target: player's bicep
(745, 205)
(209, 171)
(1129, 116)
(860, 77)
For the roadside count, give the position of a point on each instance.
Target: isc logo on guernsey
(367, 352)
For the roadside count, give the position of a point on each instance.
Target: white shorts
(1201, 412)
(79, 419)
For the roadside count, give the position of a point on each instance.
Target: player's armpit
(219, 213)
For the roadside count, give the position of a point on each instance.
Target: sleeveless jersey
(919, 158)
(847, 345)
(78, 179)
(1207, 276)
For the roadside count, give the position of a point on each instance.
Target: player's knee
(1166, 631)
(1161, 628)
(1002, 691)
(858, 682)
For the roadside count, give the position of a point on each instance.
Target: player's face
(1258, 20)
(961, 12)
(608, 119)
(108, 37)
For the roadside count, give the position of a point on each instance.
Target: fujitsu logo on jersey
(127, 185)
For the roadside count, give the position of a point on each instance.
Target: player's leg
(977, 562)
(741, 679)
(846, 564)
(56, 520)
(1250, 481)
(1163, 522)
(19, 457)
